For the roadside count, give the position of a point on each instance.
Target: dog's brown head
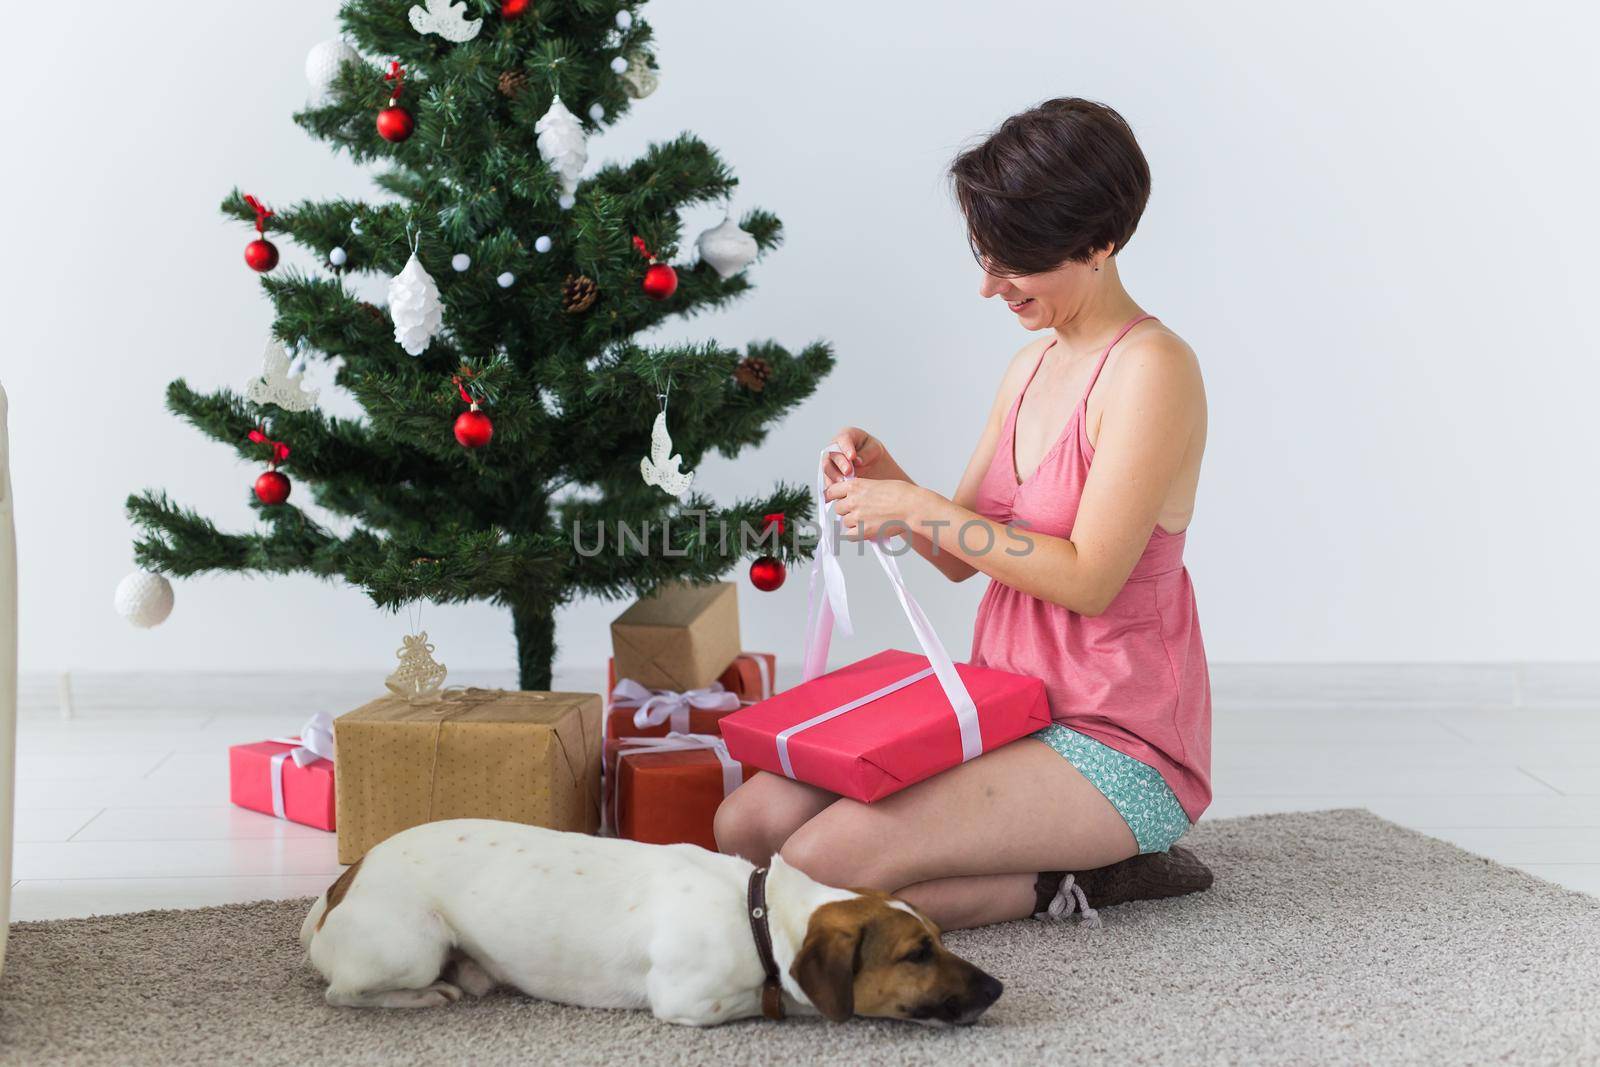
(873, 955)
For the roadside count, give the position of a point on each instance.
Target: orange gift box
(668, 797)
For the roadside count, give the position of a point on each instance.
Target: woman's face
(1042, 301)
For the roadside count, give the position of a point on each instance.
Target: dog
(465, 905)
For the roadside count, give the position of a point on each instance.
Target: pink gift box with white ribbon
(290, 777)
(893, 719)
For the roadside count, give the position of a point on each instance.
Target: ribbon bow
(656, 706)
(280, 451)
(315, 742)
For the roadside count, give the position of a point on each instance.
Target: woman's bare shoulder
(1017, 372)
(1155, 358)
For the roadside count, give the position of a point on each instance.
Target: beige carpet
(1330, 937)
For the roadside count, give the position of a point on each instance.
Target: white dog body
(598, 922)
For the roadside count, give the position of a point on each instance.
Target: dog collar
(756, 906)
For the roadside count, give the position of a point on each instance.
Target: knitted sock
(1150, 876)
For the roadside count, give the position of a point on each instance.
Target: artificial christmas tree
(575, 398)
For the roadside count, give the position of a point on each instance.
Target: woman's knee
(832, 850)
(755, 819)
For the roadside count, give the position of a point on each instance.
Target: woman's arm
(1154, 407)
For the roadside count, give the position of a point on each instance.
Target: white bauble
(619, 65)
(323, 63)
(337, 256)
(144, 598)
(624, 19)
(460, 262)
(542, 243)
(597, 111)
(507, 280)
(415, 308)
(727, 247)
(355, 225)
(563, 145)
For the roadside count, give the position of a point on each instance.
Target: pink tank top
(1134, 677)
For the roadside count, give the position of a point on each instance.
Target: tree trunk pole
(535, 628)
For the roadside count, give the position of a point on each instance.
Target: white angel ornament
(449, 20)
(277, 386)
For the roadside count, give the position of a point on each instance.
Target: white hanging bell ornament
(144, 598)
(414, 306)
(419, 677)
(727, 247)
(276, 385)
(639, 81)
(563, 145)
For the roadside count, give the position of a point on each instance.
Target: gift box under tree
(680, 637)
(529, 757)
(668, 788)
(290, 777)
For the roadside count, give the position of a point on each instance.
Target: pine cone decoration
(752, 373)
(512, 82)
(578, 293)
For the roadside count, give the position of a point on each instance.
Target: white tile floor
(125, 805)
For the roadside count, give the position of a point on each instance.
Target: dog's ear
(826, 968)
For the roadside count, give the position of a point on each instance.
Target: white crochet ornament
(277, 386)
(449, 20)
(660, 467)
(144, 598)
(727, 248)
(419, 676)
(414, 306)
(639, 81)
(563, 145)
(323, 63)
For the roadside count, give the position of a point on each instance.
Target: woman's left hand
(865, 505)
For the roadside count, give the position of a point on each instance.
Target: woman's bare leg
(1016, 811)
(757, 818)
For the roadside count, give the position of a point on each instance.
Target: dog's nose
(989, 989)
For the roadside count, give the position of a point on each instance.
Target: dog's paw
(447, 993)
(470, 976)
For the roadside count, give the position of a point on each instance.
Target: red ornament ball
(660, 281)
(767, 573)
(395, 124)
(473, 429)
(272, 487)
(261, 254)
(514, 9)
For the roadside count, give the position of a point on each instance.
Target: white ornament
(355, 225)
(619, 65)
(542, 243)
(624, 19)
(144, 598)
(419, 677)
(460, 262)
(323, 63)
(597, 111)
(277, 385)
(566, 200)
(446, 18)
(337, 256)
(639, 81)
(659, 468)
(414, 306)
(563, 145)
(727, 247)
(507, 280)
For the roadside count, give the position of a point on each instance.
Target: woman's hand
(865, 505)
(864, 456)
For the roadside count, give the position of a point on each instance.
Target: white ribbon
(833, 609)
(315, 742)
(732, 769)
(657, 706)
(766, 675)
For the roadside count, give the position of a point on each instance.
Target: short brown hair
(1054, 183)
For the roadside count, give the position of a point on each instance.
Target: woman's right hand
(864, 456)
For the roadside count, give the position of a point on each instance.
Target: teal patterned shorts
(1143, 800)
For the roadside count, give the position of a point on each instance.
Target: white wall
(1374, 222)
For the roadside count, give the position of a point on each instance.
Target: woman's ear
(825, 968)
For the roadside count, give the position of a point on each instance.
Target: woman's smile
(1020, 304)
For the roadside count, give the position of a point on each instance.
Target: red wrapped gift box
(749, 678)
(305, 794)
(890, 720)
(668, 791)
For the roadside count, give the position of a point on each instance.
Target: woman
(1091, 456)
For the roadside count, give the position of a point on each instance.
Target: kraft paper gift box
(668, 788)
(526, 757)
(264, 777)
(893, 719)
(680, 637)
